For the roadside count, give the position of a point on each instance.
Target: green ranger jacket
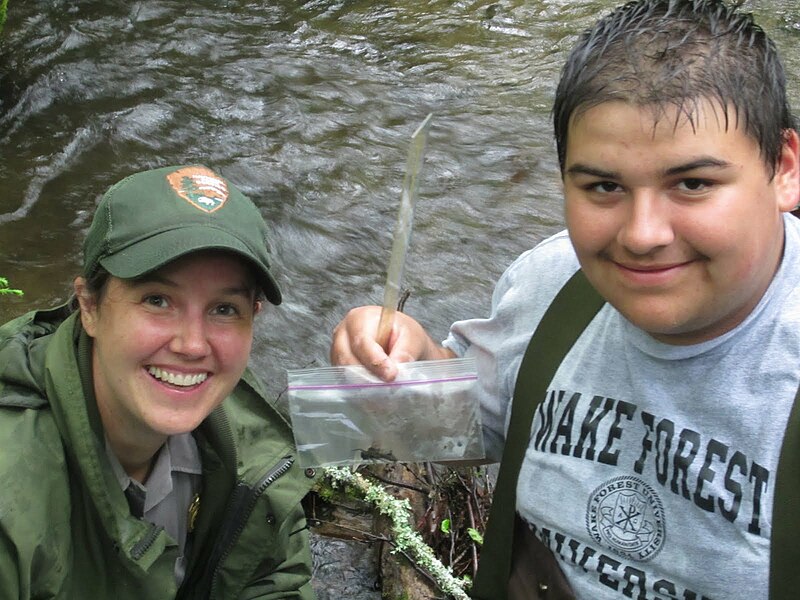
(65, 526)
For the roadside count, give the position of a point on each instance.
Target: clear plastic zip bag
(346, 415)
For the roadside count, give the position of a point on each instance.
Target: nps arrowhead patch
(200, 187)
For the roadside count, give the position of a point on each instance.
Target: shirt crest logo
(200, 187)
(627, 516)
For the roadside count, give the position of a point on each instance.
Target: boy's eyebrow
(581, 169)
(699, 163)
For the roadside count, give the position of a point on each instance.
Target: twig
(397, 483)
(473, 546)
(452, 536)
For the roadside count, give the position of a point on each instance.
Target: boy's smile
(676, 223)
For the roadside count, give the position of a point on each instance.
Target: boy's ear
(787, 172)
(88, 305)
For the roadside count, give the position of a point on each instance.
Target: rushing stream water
(308, 107)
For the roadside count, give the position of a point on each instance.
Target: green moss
(325, 491)
(336, 495)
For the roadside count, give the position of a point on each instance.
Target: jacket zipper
(143, 545)
(236, 526)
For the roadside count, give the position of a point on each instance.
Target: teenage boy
(141, 458)
(651, 466)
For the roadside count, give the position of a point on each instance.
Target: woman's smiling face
(170, 347)
(677, 224)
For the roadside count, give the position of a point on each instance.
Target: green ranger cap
(151, 218)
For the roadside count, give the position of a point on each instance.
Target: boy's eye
(604, 187)
(156, 300)
(693, 185)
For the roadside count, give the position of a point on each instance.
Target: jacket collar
(70, 388)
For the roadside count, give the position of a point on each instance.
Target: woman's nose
(191, 338)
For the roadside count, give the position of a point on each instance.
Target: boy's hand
(354, 342)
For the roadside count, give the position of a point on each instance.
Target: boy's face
(170, 347)
(677, 226)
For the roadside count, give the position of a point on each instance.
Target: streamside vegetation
(433, 516)
(5, 290)
(3, 9)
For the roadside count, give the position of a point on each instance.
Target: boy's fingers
(353, 345)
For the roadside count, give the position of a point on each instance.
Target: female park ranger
(140, 457)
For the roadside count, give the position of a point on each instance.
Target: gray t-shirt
(651, 467)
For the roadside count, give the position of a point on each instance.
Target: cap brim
(156, 251)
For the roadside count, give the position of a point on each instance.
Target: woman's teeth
(177, 378)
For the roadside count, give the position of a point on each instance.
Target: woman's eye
(226, 310)
(156, 300)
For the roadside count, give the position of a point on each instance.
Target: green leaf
(5, 290)
(475, 535)
(445, 526)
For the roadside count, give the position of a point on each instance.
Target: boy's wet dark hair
(664, 54)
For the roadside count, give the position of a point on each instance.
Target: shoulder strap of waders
(784, 551)
(784, 554)
(571, 311)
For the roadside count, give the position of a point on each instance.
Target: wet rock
(345, 569)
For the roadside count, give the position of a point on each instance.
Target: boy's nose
(647, 224)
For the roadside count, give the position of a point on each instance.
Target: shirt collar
(178, 454)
